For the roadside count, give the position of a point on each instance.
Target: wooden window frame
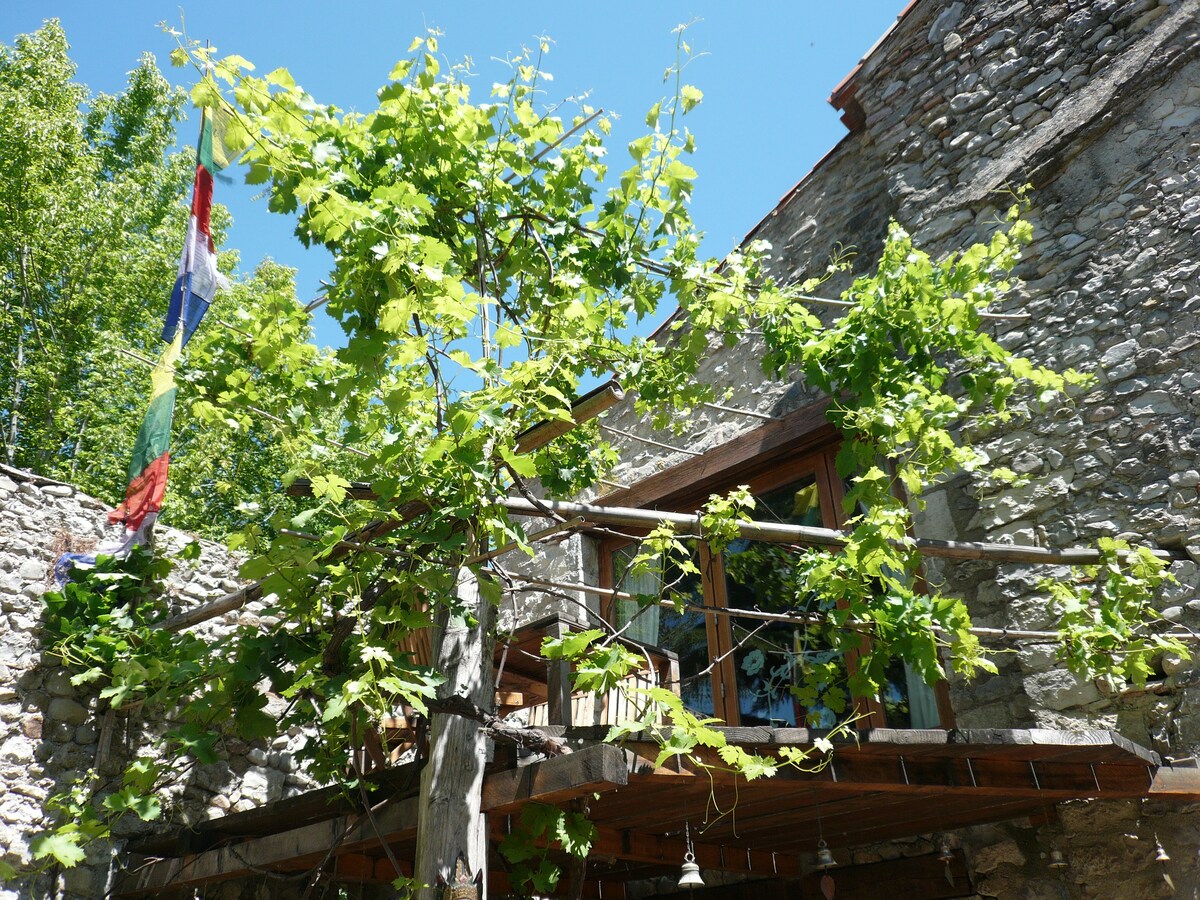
(785, 450)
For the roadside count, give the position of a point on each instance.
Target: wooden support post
(558, 682)
(452, 823)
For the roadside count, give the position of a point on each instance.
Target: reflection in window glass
(895, 696)
(686, 635)
(659, 626)
(770, 657)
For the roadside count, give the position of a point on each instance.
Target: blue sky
(766, 69)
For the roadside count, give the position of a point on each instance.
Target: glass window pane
(660, 626)
(894, 696)
(770, 656)
(638, 623)
(687, 636)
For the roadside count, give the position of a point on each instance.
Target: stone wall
(1096, 104)
(1093, 104)
(52, 732)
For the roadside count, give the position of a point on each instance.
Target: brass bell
(825, 858)
(1057, 860)
(689, 876)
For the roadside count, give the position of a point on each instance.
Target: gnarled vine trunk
(451, 824)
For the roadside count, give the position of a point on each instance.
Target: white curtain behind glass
(644, 625)
(922, 701)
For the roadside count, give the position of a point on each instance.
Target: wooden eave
(883, 784)
(750, 453)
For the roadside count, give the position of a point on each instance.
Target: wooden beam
(1090, 745)
(586, 407)
(937, 819)
(638, 846)
(605, 512)
(593, 769)
(598, 768)
(297, 848)
(848, 771)
(749, 452)
(312, 806)
(789, 822)
(1176, 782)
(511, 699)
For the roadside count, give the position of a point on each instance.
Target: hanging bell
(689, 876)
(945, 853)
(1160, 852)
(1057, 860)
(825, 858)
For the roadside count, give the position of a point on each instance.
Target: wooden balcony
(535, 690)
(878, 785)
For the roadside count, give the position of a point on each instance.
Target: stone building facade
(1096, 105)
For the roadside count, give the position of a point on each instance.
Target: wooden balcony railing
(526, 683)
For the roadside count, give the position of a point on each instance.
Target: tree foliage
(229, 460)
(482, 273)
(484, 268)
(90, 228)
(93, 201)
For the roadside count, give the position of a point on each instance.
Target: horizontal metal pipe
(780, 533)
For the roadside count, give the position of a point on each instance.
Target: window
(742, 668)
